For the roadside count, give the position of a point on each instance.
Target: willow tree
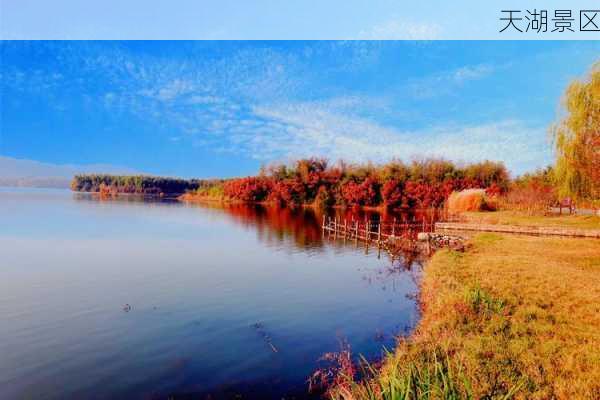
(577, 140)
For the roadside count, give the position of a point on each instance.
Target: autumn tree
(577, 140)
(392, 193)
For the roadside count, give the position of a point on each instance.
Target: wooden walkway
(528, 230)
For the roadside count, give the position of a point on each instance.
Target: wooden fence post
(335, 228)
(367, 230)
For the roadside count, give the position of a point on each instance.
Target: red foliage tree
(420, 195)
(250, 189)
(324, 198)
(493, 190)
(419, 185)
(361, 194)
(288, 192)
(391, 193)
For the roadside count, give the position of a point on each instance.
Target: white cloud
(304, 129)
(237, 112)
(169, 91)
(247, 103)
(468, 73)
(397, 29)
(198, 99)
(446, 82)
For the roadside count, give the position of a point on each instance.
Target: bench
(567, 202)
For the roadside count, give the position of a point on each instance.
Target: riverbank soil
(513, 315)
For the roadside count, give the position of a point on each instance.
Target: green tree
(577, 140)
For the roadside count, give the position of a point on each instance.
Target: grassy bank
(514, 316)
(523, 219)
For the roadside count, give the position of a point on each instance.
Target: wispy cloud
(171, 90)
(471, 72)
(261, 103)
(447, 82)
(300, 130)
(399, 29)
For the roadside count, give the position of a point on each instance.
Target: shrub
(248, 189)
(210, 192)
(287, 192)
(391, 193)
(361, 194)
(324, 198)
(469, 200)
(424, 195)
(532, 192)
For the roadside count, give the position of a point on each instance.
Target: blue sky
(276, 19)
(224, 108)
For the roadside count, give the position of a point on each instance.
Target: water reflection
(304, 225)
(210, 292)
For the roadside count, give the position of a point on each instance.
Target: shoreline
(492, 316)
(190, 198)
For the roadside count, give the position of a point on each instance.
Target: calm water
(209, 289)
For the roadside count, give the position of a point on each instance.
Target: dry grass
(524, 219)
(468, 200)
(516, 316)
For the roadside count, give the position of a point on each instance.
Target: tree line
(139, 184)
(420, 184)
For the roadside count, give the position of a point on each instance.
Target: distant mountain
(40, 182)
(30, 173)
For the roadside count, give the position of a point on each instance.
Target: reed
(512, 317)
(432, 376)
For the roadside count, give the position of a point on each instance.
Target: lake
(129, 299)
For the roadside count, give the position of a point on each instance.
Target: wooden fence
(394, 237)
